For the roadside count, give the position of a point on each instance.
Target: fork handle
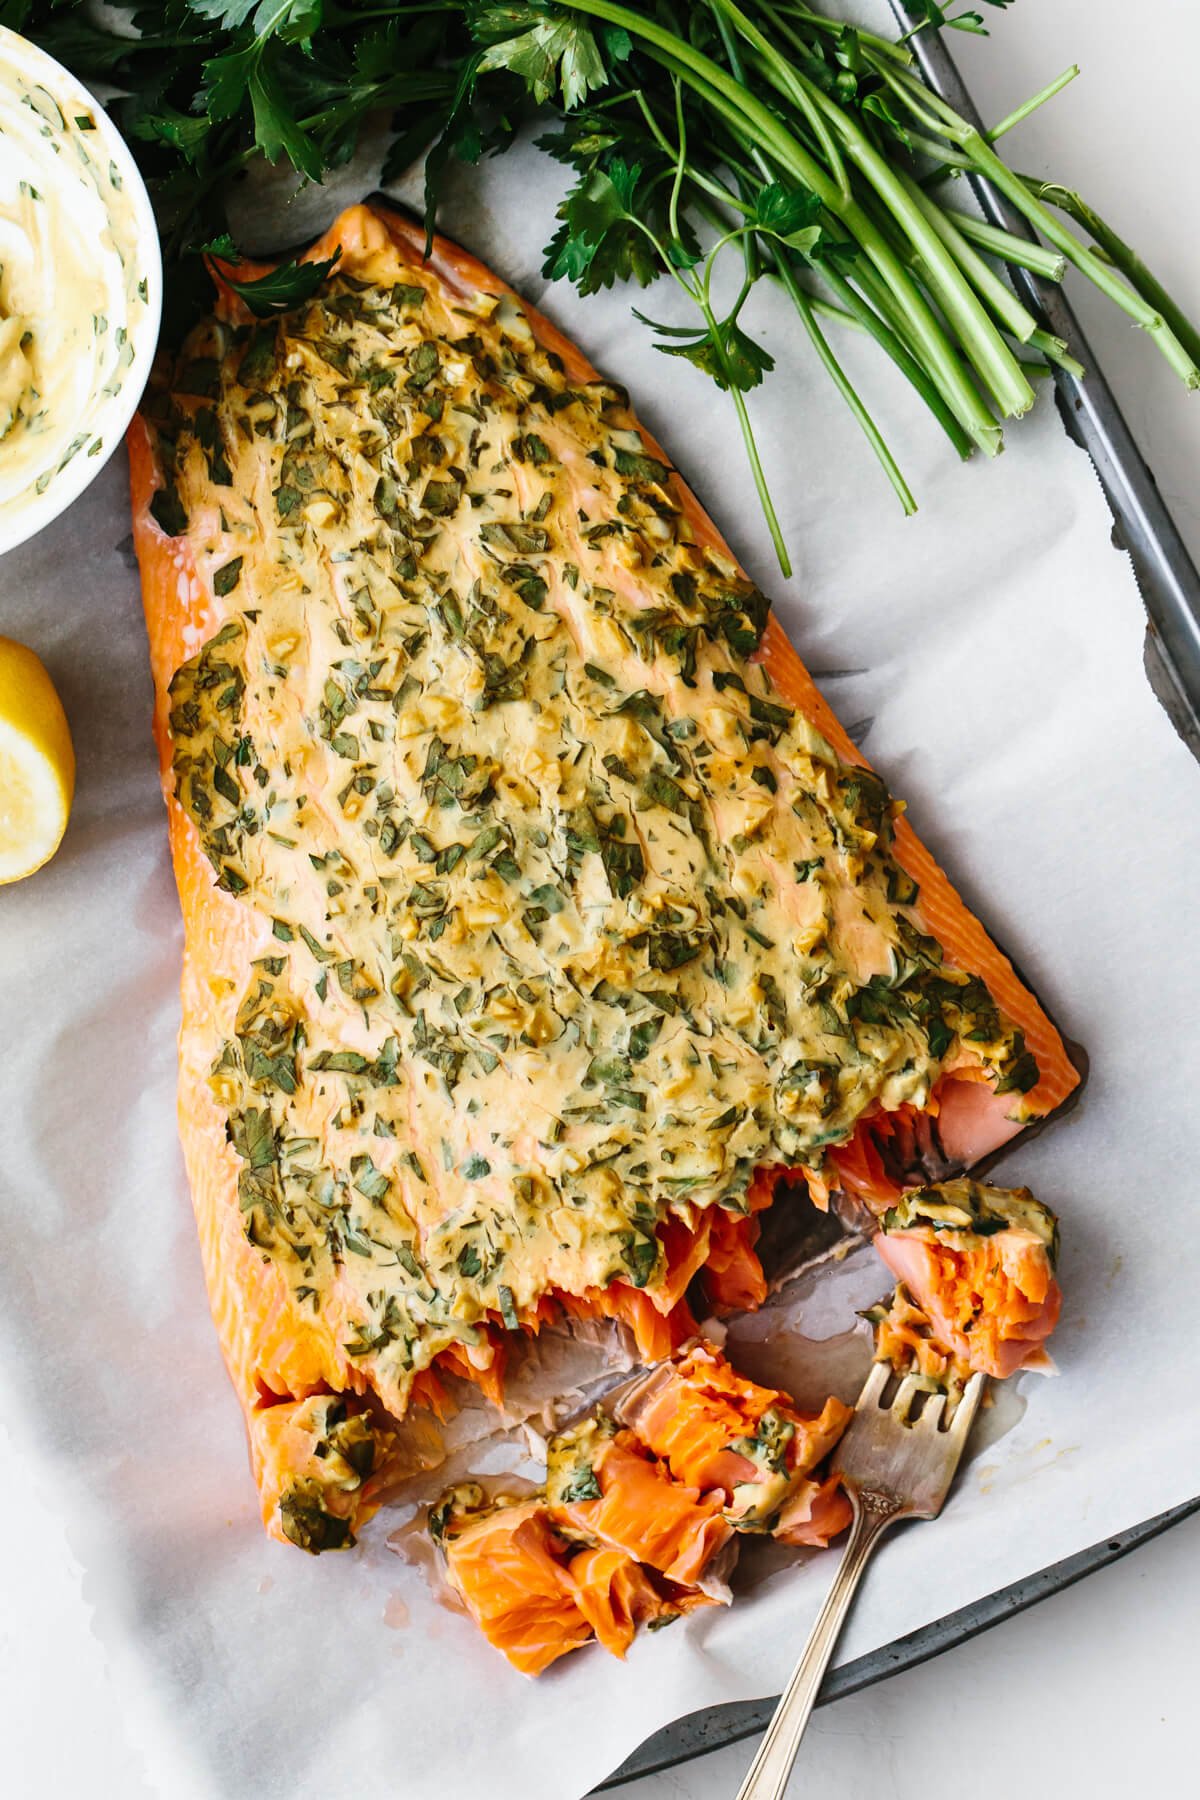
(771, 1767)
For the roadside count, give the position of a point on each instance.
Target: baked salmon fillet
(543, 925)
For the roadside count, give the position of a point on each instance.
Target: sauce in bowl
(79, 287)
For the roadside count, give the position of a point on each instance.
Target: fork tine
(968, 1406)
(909, 1388)
(911, 1459)
(873, 1386)
(931, 1413)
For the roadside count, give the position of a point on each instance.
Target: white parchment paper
(989, 656)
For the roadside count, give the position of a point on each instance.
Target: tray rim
(1169, 583)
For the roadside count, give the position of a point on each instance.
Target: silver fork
(893, 1466)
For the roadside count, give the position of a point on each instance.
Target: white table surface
(1093, 1691)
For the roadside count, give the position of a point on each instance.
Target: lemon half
(37, 764)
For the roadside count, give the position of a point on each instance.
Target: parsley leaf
(601, 239)
(722, 350)
(550, 53)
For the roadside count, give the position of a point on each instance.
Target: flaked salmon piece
(508, 1565)
(604, 1488)
(222, 530)
(645, 1510)
(615, 1594)
(732, 1276)
(814, 1515)
(719, 1432)
(978, 1291)
(656, 1333)
(328, 1455)
(536, 1591)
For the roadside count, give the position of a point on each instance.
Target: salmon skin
(538, 910)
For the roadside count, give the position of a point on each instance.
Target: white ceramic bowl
(105, 394)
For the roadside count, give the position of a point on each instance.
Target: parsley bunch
(800, 144)
(203, 87)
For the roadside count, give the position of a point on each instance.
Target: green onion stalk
(814, 149)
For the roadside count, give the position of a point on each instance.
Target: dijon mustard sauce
(71, 287)
(965, 1208)
(575, 923)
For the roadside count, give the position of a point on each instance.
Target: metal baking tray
(1170, 588)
